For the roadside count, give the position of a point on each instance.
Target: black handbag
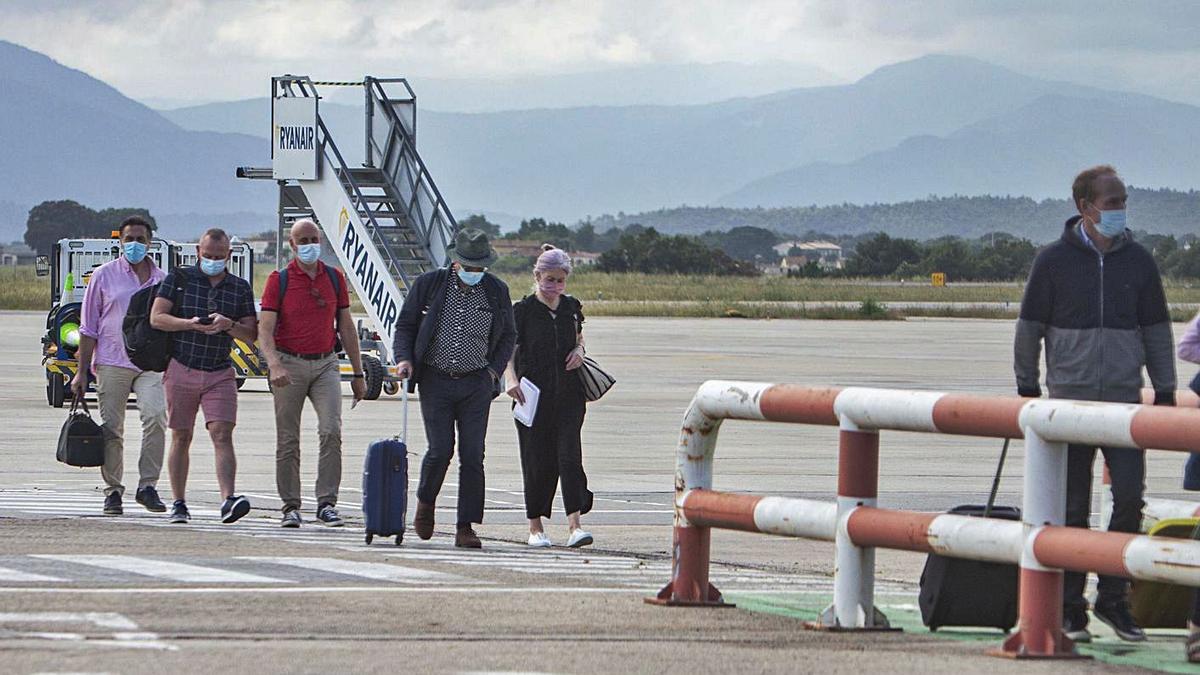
(81, 441)
(596, 382)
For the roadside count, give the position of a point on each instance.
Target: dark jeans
(1127, 468)
(447, 403)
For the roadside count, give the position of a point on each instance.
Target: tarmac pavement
(81, 592)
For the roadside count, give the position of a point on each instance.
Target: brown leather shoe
(423, 521)
(466, 538)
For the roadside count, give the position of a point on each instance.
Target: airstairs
(384, 218)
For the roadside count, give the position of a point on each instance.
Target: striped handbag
(596, 382)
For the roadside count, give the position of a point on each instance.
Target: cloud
(219, 49)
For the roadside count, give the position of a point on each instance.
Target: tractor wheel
(56, 390)
(373, 369)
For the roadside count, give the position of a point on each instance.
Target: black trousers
(551, 451)
(447, 405)
(1127, 468)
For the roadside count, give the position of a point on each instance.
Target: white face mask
(1112, 223)
(470, 278)
(308, 253)
(212, 267)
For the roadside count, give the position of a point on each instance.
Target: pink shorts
(189, 390)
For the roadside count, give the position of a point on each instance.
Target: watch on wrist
(359, 376)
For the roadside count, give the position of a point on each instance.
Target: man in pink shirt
(102, 352)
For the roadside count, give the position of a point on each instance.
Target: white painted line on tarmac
(368, 570)
(324, 589)
(18, 576)
(125, 632)
(161, 569)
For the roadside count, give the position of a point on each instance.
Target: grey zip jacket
(1102, 316)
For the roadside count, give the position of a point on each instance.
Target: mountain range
(936, 125)
(67, 135)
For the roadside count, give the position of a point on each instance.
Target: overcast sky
(196, 50)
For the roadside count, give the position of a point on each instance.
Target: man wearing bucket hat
(454, 337)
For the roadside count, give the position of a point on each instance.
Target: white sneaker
(539, 540)
(579, 538)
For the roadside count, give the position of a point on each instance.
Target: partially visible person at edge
(297, 335)
(216, 307)
(1189, 350)
(102, 353)
(453, 338)
(549, 353)
(1096, 298)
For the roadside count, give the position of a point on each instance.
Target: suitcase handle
(403, 437)
(987, 511)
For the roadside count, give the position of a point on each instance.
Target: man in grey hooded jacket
(1095, 297)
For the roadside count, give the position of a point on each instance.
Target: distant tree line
(745, 250)
(65, 219)
(1166, 211)
(649, 252)
(995, 257)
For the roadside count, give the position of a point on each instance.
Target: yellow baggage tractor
(70, 269)
(1156, 604)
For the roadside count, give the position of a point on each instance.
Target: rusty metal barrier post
(1041, 545)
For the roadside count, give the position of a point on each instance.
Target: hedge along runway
(316, 599)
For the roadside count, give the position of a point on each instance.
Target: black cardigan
(419, 319)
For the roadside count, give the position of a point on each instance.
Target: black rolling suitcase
(957, 592)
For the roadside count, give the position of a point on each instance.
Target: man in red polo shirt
(297, 335)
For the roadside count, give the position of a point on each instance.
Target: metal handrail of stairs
(344, 174)
(400, 151)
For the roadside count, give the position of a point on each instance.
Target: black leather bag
(81, 441)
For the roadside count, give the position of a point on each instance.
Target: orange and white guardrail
(1040, 544)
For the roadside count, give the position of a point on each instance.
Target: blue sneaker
(179, 513)
(234, 508)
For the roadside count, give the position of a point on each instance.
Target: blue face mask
(308, 253)
(212, 267)
(470, 278)
(1112, 223)
(135, 251)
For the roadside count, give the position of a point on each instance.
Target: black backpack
(336, 280)
(81, 441)
(146, 346)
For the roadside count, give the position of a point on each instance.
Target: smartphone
(206, 321)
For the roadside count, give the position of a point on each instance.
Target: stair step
(384, 214)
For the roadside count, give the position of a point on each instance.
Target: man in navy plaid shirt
(215, 307)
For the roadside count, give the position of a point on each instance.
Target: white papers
(524, 412)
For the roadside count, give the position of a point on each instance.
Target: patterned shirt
(231, 298)
(104, 305)
(460, 341)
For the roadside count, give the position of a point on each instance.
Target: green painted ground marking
(1162, 652)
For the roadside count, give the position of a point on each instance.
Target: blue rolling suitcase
(385, 484)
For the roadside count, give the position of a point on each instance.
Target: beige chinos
(113, 386)
(320, 382)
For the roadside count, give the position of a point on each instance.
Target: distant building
(262, 246)
(16, 254)
(525, 248)
(584, 258)
(797, 254)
